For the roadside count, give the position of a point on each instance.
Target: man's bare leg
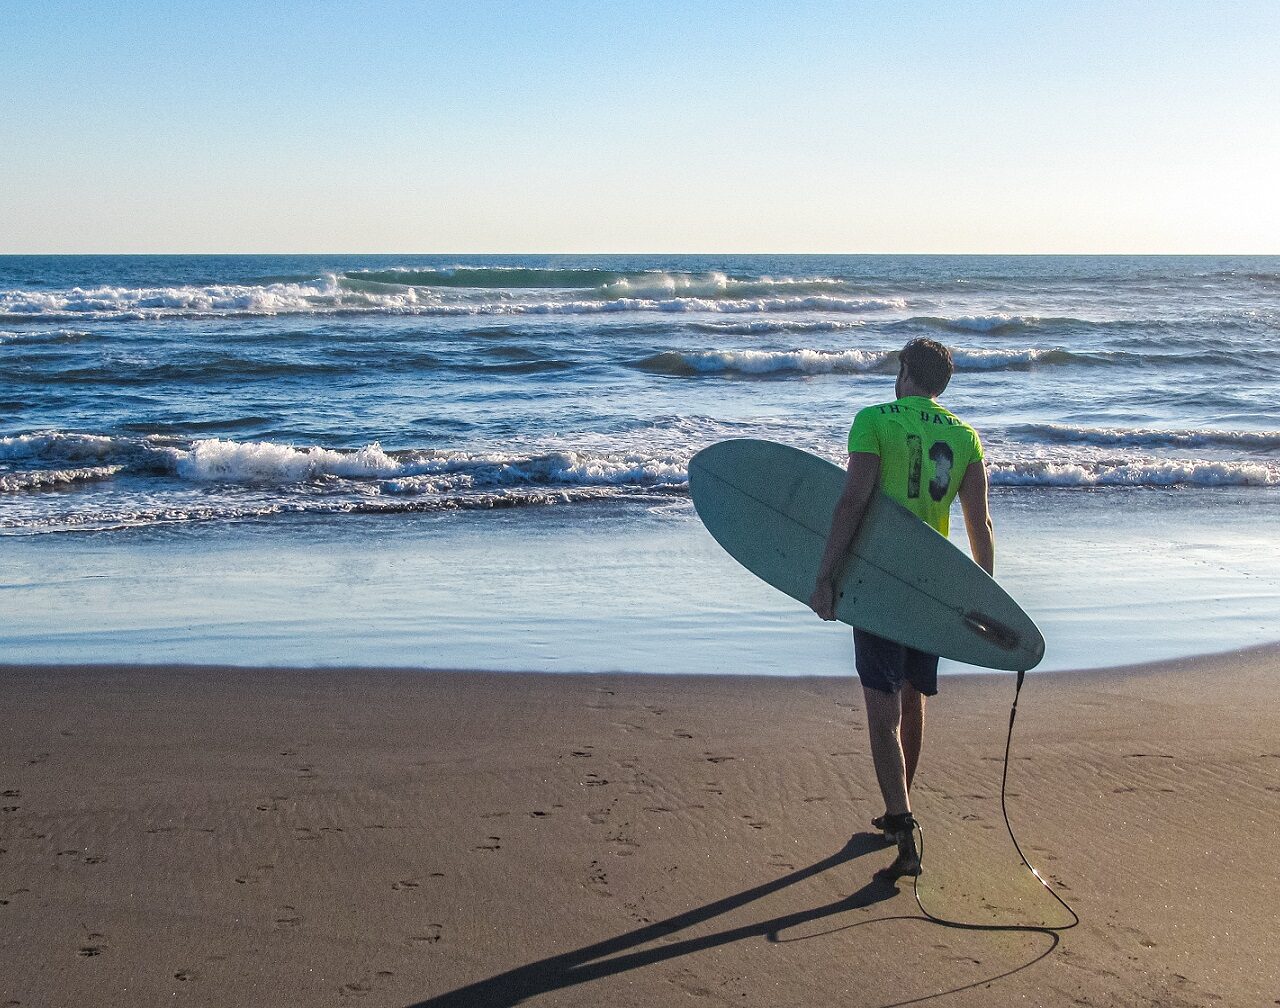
(884, 718)
(912, 731)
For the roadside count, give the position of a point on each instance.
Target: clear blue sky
(558, 126)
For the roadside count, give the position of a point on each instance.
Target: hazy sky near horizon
(686, 126)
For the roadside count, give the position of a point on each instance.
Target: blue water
(187, 443)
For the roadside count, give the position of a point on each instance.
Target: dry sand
(212, 836)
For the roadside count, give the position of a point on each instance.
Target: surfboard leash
(1004, 809)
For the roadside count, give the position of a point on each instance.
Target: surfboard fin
(992, 629)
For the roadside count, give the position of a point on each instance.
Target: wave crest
(1136, 473)
(331, 295)
(691, 363)
(1152, 437)
(46, 479)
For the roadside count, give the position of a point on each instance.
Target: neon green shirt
(924, 451)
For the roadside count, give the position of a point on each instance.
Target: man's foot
(889, 825)
(908, 860)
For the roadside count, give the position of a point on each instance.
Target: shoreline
(217, 835)
(1158, 666)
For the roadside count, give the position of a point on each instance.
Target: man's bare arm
(977, 516)
(860, 483)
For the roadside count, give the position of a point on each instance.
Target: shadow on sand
(589, 963)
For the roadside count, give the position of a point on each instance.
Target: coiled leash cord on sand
(1004, 779)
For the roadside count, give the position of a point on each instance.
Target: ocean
(481, 461)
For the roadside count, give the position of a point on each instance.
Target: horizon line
(508, 252)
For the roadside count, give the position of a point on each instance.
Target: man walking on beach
(922, 456)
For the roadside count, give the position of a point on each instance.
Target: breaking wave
(338, 295)
(998, 324)
(46, 479)
(608, 284)
(1137, 473)
(1150, 437)
(414, 471)
(807, 361)
(757, 362)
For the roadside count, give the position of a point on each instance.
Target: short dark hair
(928, 363)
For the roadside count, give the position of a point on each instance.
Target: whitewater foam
(61, 446)
(996, 323)
(1138, 473)
(469, 471)
(214, 459)
(759, 362)
(43, 479)
(1152, 437)
(815, 361)
(714, 285)
(338, 295)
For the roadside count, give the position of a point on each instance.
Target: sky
(1051, 126)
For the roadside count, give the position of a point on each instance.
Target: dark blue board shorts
(884, 665)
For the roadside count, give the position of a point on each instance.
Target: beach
(217, 835)
(248, 504)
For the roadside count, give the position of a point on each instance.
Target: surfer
(887, 450)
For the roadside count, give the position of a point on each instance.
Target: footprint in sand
(599, 880)
(633, 911)
(287, 917)
(13, 892)
(93, 946)
(624, 846)
(363, 986)
(431, 936)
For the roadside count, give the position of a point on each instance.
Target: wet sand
(226, 836)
